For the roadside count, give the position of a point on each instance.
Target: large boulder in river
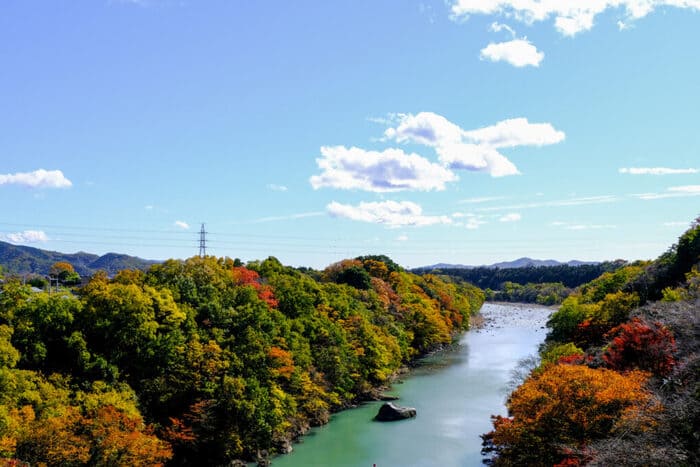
(389, 412)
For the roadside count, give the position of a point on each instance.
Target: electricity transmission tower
(202, 242)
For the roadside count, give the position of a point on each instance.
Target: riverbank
(499, 315)
(455, 392)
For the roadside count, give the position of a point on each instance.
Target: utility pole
(202, 242)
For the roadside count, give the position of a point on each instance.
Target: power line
(271, 244)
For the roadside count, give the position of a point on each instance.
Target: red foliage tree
(243, 276)
(642, 345)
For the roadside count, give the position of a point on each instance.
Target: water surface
(455, 392)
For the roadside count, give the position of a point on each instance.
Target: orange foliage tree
(567, 406)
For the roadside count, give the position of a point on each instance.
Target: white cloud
(274, 187)
(676, 224)
(511, 217)
(471, 222)
(585, 200)
(517, 52)
(28, 236)
(498, 27)
(570, 16)
(622, 26)
(427, 128)
(182, 225)
(474, 223)
(37, 179)
(402, 238)
(480, 199)
(570, 226)
(516, 132)
(389, 213)
(466, 156)
(650, 196)
(476, 149)
(672, 192)
(656, 171)
(556, 203)
(690, 189)
(378, 171)
(290, 217)
(589, 227)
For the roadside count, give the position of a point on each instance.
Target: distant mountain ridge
(518, 263)
(20, 259)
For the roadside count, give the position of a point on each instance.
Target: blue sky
(462, 131)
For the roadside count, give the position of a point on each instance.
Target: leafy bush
(641, 345)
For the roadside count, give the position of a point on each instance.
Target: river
(455, 392)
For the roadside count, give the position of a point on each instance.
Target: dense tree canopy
(208, 359)
(494, 278)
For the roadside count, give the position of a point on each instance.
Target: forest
(212, 361)
(207, 361)
(617, 378)
(546, 285)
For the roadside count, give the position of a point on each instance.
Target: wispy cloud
(27, 236)
(389, 213)
(182, 225)
(570, 16)
(274, 187)
(511, 217)
(672, 192)
(481, 199)
(690, 189)
(473, 223)
(498, 27)
(37, 179)
(585, 200)
(590, 226)
(290, 217)
(571, 226)
(656, 171)
(378, 171)
(556, 203)
(402, 238)
(517, 52)
(676, 224)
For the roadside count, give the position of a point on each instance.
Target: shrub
(641, 345)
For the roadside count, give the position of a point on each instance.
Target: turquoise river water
(454, 392)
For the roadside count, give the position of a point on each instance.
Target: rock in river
(389, 412)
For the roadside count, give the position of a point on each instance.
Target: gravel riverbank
(495, 316)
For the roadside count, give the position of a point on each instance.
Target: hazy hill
(518, 263)
(18, 259)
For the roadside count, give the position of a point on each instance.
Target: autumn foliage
(207, 361)
(567, 405)
(243, 276)
(641, 345)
